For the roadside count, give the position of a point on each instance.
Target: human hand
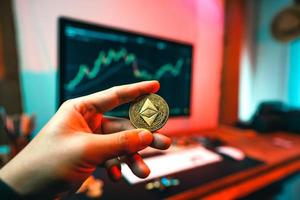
(77, 139)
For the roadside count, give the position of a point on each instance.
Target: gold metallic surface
(150, 112)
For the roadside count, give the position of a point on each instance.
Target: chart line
(105, 59)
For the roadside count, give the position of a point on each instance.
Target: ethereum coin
(150, 112)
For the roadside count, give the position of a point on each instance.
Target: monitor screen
(95, 57)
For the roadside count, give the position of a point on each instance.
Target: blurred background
(229, 70)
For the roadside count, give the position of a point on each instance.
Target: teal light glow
(294, 75)
(4, 149)
(39, 95)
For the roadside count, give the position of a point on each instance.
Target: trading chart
(95, 60)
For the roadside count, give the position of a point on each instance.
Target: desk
(279, 163)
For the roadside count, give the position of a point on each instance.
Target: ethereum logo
(149, 112)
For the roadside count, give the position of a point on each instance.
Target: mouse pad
(188, 179)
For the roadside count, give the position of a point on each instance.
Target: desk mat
(188, 179)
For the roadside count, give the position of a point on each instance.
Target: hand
(77, 139)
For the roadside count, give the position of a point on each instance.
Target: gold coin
(150, 112)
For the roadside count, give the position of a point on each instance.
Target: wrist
(6, 192)
(11, 177)
(22, 176)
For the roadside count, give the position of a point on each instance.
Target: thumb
(120, 143)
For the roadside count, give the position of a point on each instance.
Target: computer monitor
(96, 57)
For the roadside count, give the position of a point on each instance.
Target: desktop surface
(190, 164)
(266, 162)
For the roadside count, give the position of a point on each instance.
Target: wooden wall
(233, 37)
(9, 71)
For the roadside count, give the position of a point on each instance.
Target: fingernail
(115, 173)
(145, 138)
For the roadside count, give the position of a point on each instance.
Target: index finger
(114, 124)
(109, 99)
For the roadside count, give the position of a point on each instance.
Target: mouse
(232, 152)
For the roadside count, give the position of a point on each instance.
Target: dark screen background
(95, 58)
